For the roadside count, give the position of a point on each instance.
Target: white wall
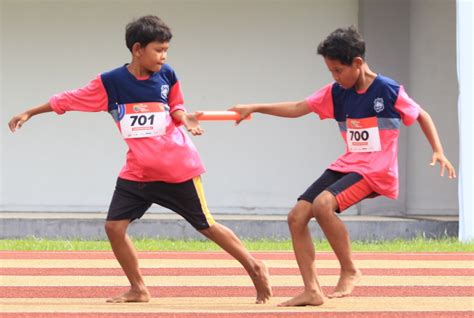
(434, 85)
(224, 52)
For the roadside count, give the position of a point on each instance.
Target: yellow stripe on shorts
(202, 199)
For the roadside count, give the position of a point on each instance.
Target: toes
(337, 295)
(262, 300)
(115, 300)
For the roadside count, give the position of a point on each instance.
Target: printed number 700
(142, 120)
(355, 135)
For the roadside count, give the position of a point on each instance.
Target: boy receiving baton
(369, 109)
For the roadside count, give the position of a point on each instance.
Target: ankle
(139, 288)
(350, 270)
(314, 292)
(254, 268)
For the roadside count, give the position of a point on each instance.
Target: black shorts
(132, 199)
(348, 188)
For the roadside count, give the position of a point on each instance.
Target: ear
(358, 62)
(137, 49)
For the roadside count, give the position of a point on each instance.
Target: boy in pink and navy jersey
(369, 109)
(163, 165)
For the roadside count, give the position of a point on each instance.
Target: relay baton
(221, 115)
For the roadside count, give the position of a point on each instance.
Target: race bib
(363, 135)
(141, 120)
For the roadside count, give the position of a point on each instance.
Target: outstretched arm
(189, 120)
(18, 120)
(285, 109)
(429, 129)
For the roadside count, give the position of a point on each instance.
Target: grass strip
(419, 244)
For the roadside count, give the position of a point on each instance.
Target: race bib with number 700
(363, 134)
(141, 120)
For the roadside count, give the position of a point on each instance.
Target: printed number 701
(142, 120)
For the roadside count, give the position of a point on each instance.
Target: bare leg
(127, 257)
(256, 269)
(303, 248)
(336, 233)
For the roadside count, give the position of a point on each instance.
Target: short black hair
(147, 29)
(343, 44)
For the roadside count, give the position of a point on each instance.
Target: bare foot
(260, 279)
(306, 298)
(132, 296)
(346, 284)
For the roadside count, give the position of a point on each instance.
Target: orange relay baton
(221, 115)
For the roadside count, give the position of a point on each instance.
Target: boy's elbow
(301, 109)
(423, 116)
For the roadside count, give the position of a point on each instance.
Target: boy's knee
(213, 230)
(114, 228)
(323, 206)
(207, 232)
(292, 218)
(298, 217)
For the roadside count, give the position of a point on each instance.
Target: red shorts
(348, 188)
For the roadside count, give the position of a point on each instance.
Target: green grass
(415, 245)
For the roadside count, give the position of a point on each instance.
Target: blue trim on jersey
(378, 101)
(382, 123)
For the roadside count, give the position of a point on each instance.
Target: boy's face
(152, 56)
(345, 75)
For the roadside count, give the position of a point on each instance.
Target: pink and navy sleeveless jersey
(171, 157)
(386, 104)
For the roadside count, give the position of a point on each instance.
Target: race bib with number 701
(141, 120)
(363, 134)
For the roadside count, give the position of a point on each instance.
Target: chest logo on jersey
(164, 91)
(355, 123)
(141, 108)
(378, 105)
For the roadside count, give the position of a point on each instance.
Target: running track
(213, 285)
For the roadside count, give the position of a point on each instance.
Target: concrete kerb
(159, 225)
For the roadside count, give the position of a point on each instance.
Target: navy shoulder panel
(379, 100)
(339, 95)
(168, 74)
(107, 76)
(388, 89)
(109, 80)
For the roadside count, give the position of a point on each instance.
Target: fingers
(442, 164)
(17, 121)
(15, 124)
(242, 111)
(196, 131)
(443, 167)
(19, 124)
(451, 170)
(11, 125)
(242, 116)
